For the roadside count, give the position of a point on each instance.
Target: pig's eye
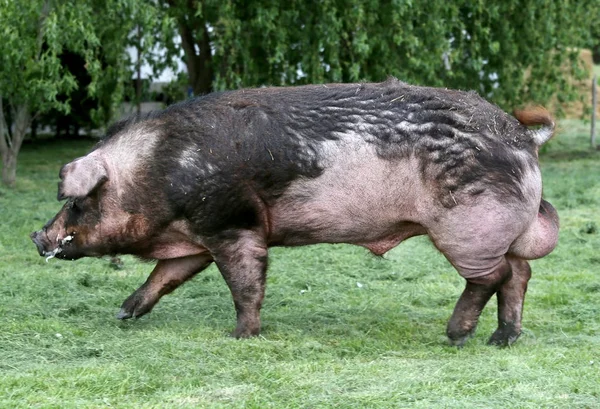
(76, 206)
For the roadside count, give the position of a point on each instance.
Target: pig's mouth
(59, 249)
(42, 249)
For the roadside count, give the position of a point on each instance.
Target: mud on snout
(53, 240)
(49, 249)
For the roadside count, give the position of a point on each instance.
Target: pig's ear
(80, 177)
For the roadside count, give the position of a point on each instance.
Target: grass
(341, 328)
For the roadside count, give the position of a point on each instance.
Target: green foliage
(327, 342)
(594, 38)
(510, 51)
(176, 90)
(33, 34)
(120, 24)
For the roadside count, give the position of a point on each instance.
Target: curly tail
(537, 116)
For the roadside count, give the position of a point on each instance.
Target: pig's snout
(37, 238)
(50, 249)
(43, 244)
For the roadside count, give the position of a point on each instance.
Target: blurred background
(70, 68)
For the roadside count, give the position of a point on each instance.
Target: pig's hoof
(244, 334)
(504, 336)
(458, 338)
(245, 331)
(134, 306)
(123, 314)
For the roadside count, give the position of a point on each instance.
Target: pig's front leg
(166, 276)
(242, 260)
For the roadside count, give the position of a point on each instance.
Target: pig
(222, 177)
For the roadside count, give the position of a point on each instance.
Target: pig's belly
(375, 204)
(331, 222)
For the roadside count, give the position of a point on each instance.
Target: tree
(194, 28)
(141, 25)
(595, 35)
(484, 45)
(81, 103)
(34, 34)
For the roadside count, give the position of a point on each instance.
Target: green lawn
(341, 328)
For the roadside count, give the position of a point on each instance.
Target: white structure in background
(165, 77)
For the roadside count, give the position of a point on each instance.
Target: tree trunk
(5, 146)
(9, 168)
(195, 41)
(596, 53)
(10, 146)
(58, 123)
(34, 127)
(203, 77)
(138, 68)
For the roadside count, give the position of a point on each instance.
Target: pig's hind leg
(478, 291)
(509, 281)
(479, 252)
(241, 257)
(511, 296)
(166, 277)
(538, 240)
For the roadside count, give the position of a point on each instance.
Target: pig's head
(76, 231)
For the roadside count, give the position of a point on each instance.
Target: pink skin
(487, 239)
(372, 203)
